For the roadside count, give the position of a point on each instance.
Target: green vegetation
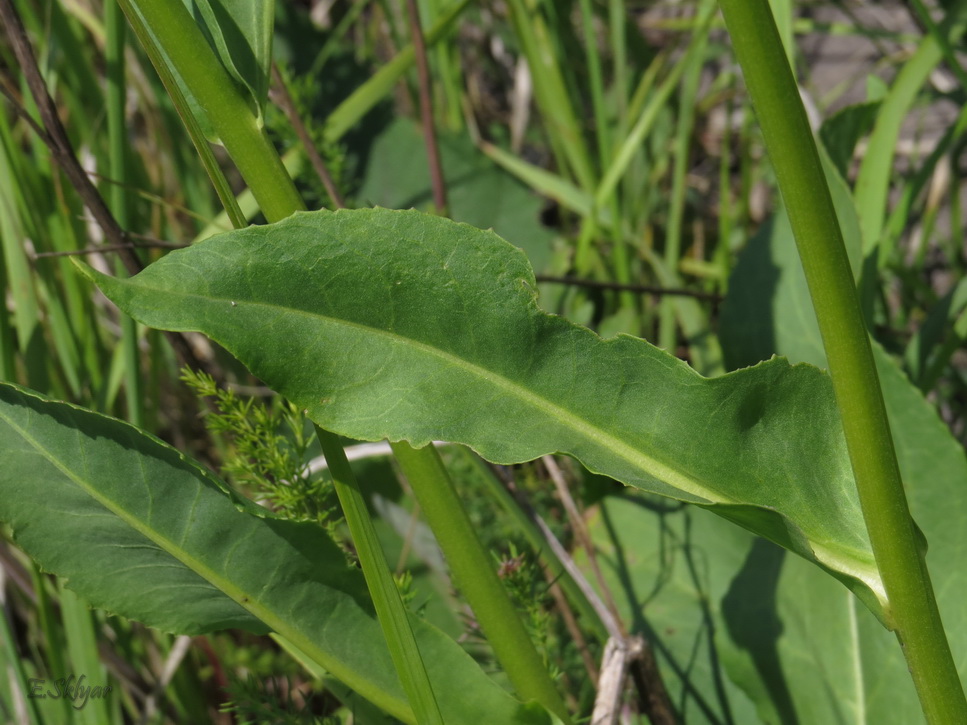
(630, 472)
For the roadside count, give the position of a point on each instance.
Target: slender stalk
(205, 154)
(287, 104)
(596, 80)
(118, 142)
(348, 113)
(474, 574)
(275, 192)
(434, 491)
(426, 109)
(911, 609)
(226, 107)
(386, 597)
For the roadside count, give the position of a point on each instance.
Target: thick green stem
(389, 609)
(226, 107)
(912, 609)
(473, 571)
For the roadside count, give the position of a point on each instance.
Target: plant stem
(117, 135)
(473, 571)
(227, 109)
(521, 513)
(389, 608)
(426, 110)
(205, 154)
(287, 104)
(262, 170)
(911, 609)
(278, 198)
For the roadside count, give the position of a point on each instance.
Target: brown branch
(583, 536)
(284, 100)
(426, 110)
(620, 287)
(636, 654)
(153, 244)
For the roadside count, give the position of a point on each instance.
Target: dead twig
(426, 110)
(281, 95)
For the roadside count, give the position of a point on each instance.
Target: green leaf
(140, 530)
(768, 311)
(404, 326)
(842, 131)
(240, 31)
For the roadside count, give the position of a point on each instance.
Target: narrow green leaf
(390, 609)
(175, 550)
(409, 327)
(873, 181)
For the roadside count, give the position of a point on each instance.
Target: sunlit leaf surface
(399, 325)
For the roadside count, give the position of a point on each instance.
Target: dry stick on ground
(280, 94)
(175, 656)
(573, 628)
(618, 654)
(55, 137)
(623, 652)
(426, 110)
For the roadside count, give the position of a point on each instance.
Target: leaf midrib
(246, 600)
(649, 465)
(848, 564)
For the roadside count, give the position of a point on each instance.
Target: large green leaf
(400, 325)
(840, 665)
(140, 530)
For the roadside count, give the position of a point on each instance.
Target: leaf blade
(403, 326)
(182, 554)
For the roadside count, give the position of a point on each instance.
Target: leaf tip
(85, 269)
